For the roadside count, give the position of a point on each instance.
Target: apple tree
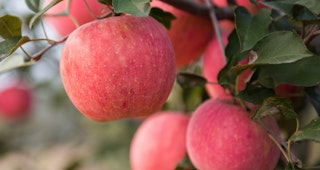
(226, 82)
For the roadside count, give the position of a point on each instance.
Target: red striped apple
(15, 102)
(79, 14)
(222, 136)
(160, 142)
(189, 34)
(118, 67)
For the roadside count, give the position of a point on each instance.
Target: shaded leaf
(190, 80)
(133, 7)
(255, 94)
(8, 46)
(107, 2)
(280, 47)
(304, 73)
(12, 62)
(275, 105)
(10, 26)
(165, 18)
(34, 5)
(232, 51)
(39, 14)
(251, 29)
(302, 10)
(313, 95)
(308, 132)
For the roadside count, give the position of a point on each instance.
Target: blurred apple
(15, 102)
(189, 34)
(160, 142)
(79, 14)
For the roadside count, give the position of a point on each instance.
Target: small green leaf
(10, 26)
(275, 105)
(39, 14)
(12, 62)
(255, 94)
(8, 46)
(304, 73)
(232, 51)
(34, 5)
(133, 7)
(251, 29)
(280, 47)
(165, 18)
(190, 80)
(308, 132)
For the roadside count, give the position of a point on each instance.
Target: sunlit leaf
(12, 62)
(275, 105)
(133, 7)
(308, 132)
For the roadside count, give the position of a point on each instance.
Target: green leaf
(280, 47)
(165, 18)
(275, 105)
(39, 14)
(12, 62)
(255, 94)
(133, 7)
(34, 5)
(304, 72)
(8, 46)
(301, 10)
(308, 132)
(251, 29)
(186, 80)
(232, 51)
(10, 26)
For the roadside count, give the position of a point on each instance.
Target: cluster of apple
(125, 66)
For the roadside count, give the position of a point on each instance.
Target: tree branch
(200, 9)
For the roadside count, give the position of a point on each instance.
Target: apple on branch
(221, 135)
(118, 67)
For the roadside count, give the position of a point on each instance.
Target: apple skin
(160, 142)
(245, 3)
(118, 67)
(78, 10)
(222, 136)
(189, 34)
(15, 102)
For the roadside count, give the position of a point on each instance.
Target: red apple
(118, 67)
(245, 3)
(160, 142)
(79, 12)
(189, 34)
(15, 102)
(222, 136)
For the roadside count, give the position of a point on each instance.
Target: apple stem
(216, 27)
